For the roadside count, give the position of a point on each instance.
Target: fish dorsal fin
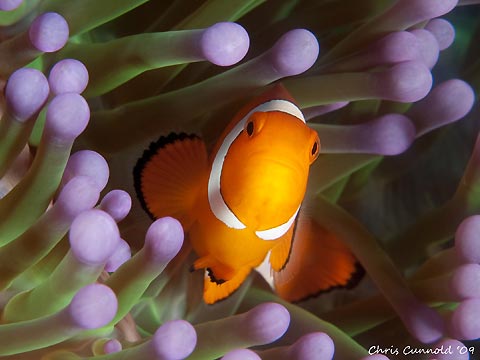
(217, 203)
(168, 176)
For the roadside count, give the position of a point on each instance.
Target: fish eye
(254, 124)
(315, 149)
(250, 128)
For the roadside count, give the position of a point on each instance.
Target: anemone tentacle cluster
(85, 274)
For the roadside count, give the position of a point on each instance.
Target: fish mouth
(279, 161)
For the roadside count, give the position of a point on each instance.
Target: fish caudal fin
(318, 262)
(168, 175)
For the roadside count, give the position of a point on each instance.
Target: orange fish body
(241, 204)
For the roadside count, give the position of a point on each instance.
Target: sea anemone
(86, 274)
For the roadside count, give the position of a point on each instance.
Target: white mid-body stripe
(276, 232)
(215, 198)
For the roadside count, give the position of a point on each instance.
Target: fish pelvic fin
(216, 289)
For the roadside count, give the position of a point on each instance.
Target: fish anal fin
(319, 262)
(167, 176)
(280, 253)
(215, 290)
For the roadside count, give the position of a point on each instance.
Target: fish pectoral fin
(167, 176)
(319, 262)
(215, 290)
(281, 251)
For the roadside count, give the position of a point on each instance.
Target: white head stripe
(276, 232)
(215, 198)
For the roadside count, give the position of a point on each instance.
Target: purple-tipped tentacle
(26, 93)
(318, 345)
(443, 31)
(467, 240)
(396, 47)
(94, 236)
(465, 281)
(464, 320)
(315, 345)
(224, 43)
(174, 340)
(294, 53)
(112, 346)
(447, 102)
(449, 349)
(67, 117)
(266, 323)
(428, 48)
(117, 203)
(405, 82)
(417, 11)
(87, 163)
(261, 325)
(49, 32)
(393, 48)
(80, 193)
(241, 354)
(9, 5)
(422, 321)
(93, 306)
(390, 134)
(164, 239)
(68, 75)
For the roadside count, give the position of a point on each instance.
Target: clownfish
(242, 205)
